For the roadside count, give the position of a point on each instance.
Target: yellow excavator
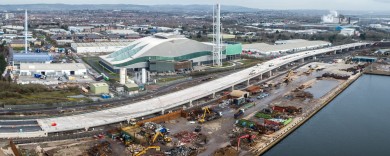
(166, 139)
(311, 69)
(202, 118)
(146, 149)
(288, 78)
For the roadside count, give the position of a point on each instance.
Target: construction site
(239, 122)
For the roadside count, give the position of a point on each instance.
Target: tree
(3, 64)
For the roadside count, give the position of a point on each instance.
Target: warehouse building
(286, 46)
(99, 88)
(98, 47)
(29, 69)
(163, 47)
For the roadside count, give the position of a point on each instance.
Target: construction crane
(288, 78)
(247, 136)
(146, 149)
(202, 118)
(165, 138)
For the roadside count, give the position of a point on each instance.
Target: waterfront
(356, 120)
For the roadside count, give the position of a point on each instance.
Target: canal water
(356, 123)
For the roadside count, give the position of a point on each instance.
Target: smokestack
(217, 36)
(26, 30)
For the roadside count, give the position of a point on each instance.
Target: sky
(371, 5)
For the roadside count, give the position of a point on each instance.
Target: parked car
(262, 95)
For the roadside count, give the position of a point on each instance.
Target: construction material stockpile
(336, 76)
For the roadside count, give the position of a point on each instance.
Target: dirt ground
(218, 131)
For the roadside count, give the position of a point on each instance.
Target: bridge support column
(335, 52)
(261, 76)
(248, 82)
(270, 73)
(214, 95)
(162, 111)
(314, 58)
(232, 87)
(303, 60)
(86, 128)
(191, 103)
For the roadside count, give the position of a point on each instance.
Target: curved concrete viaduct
(172, 100)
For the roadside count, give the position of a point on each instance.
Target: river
(356, 123)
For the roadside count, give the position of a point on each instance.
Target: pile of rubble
(336, 76)
(186, 137)
(102, 148)
(182, 151)
(152, 126)
(303, 94)
(135, 148)
(226, 151)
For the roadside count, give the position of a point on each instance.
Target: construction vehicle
(239, 113)
(198, 129)
(165, 138)
(288, 77)
(202, 118)
(146, 149)
(247, 136)
(311, 69)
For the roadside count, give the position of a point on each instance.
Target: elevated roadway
(177, 99)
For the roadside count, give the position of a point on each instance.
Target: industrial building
(98, 47)
(286, 46)
(164, 47)
(29, 69)
(19, 58)
(99, 88)
(169, 66)
(18, 44)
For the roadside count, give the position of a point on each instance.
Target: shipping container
(287, 121)
(247, 106)
(264, 116)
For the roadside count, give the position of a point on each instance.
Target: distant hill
(161, 8)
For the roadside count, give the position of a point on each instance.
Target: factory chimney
(217, 37)
(26, 32)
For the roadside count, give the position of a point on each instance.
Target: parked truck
(239, 113)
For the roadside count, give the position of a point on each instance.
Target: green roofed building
(163, 47)
(99, 88)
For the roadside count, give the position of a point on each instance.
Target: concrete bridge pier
(214, 95)
(191, 105)
(162, 111)
(86, 128)
(314, 58)
(248, 82)
(232, 87)
(261, 76)
(303, 60)
(270, 73)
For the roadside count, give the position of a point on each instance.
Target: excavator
(146, 149)
(247, 136)
(288, 78)
(206, 110)
(311, 69)
(166, 139)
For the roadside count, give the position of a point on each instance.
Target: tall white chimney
(25, 33)
(217, 37)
